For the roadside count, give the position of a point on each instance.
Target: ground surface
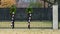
(26, 30)
(40, 24)
(25, 24)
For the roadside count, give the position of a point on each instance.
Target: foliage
(29, 10)
(13, 9)
(35, 5)
(7, 3)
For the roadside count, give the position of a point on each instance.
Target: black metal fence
(38, 14)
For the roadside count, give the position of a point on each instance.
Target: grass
(24, 24)
(28, 31)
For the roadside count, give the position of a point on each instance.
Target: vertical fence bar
(12, 25)
(29, 19)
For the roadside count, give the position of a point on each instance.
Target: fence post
(55, 16)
